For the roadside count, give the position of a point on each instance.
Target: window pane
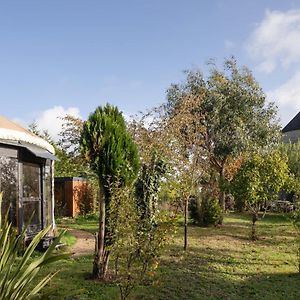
(29, 208)
(31, 181)
(31, 201)
(48, 193)
(8, 186)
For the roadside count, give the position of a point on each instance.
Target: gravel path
(85, 243)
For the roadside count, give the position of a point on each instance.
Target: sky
(62, 57)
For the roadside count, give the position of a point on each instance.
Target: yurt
(26, 179)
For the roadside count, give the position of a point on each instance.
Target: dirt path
(85, 243)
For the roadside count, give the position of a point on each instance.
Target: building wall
(292, 136)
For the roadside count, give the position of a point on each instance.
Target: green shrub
(194, 209)
(205, 211)
(17, 272)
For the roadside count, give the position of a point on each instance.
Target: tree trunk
(221, 193)
(253, 232)
(100, 265)
(186, 211)
(101, 255)
(298, 254)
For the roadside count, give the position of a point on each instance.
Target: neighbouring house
(73, 196)
(291, 132)
(26, 179)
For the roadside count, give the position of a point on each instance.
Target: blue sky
(69, 56)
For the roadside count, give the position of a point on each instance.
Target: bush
(205, 211)
(194, 209)
(17, 272)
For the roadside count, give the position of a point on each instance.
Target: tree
(142, 229)
(292, 152)
(176, 138)
(147, 188)
(70, 162)
(113, 156)
(259, 181)
(233, 113)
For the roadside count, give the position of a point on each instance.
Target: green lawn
(221, 263)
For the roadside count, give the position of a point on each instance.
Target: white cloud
(229, 45)
(287, 96)
(276, 40)
(49, 119)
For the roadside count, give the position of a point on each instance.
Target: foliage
(113, 156)
(205, 210)
(138, 240)
(109, 148)
(69, 137)
(292, 152)
(178, 144)
(87, 195)
(259, 181)
(231, 111)
(147, 187)
(141, 229)
(16, 273)
(70, 162)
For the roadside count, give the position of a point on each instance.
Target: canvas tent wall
(26, 178)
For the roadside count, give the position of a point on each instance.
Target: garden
(220, 263)
(189, 202)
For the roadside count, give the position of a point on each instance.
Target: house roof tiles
(294, 124)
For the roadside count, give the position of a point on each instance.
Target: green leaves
(108, 146)
(233, 108)
(16, 273)
(260, 179)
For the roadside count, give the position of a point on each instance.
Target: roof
(11, 131)
(63, 179)
(294, 124)
(7, 124)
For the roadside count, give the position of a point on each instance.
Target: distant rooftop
(294, 124)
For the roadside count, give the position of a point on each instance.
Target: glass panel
(48, 193)
(8, 186)
(31, 192)
(31, 181)
(28, 208)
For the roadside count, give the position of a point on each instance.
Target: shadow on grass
(221, 263)
(209, 275)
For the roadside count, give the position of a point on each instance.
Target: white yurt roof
(10, 131)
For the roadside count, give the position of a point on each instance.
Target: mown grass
(68, 239)
(88, 223)
(221, 263)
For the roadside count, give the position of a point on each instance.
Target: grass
(68, 239)
(221, 263)
(89, 223)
